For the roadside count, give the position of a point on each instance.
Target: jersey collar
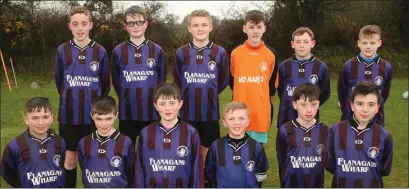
(354, 124)
(311, 59)
(50, 133)
(238, 145)
(208, 46)
(146, 41)
(90, 44)
(361, 60)
(298, 125)
(113, 136)
(170, 130)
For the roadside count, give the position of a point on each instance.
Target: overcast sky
(182, 8)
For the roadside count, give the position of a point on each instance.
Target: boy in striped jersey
(201, 71)
(360, 151)
(82, 73)
(34, 159)
(138, 66)
(302, 67)
(301, 142)
(236, 160)
(168, 151)
(106, 156)
(366, 66)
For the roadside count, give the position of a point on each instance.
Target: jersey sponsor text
(305, 161)
(355, 165)
(101, 176)
(251, 79)
(43, 177)
(198, 77)
(81, 81)
(165, 164)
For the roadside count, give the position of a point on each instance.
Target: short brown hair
(301, 30)
(370, 30)
(365, 88)
(168, 90)
(131, 11)
(232, 106)
(255, 16)
(104, 105)
(307, 91)
(80, 10)
(37, 104)
(199, 13)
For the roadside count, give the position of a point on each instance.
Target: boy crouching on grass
(236, 160)
(106, 156)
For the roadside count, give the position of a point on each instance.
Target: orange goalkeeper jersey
(254, 73)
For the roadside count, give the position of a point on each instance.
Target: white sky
(182, 8)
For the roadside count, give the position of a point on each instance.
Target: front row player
(236, 160)
(106, 156)
(35, 158)
(301, 142)
(359, 150)
(168, 152)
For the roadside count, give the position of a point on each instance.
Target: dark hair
(38, 104)
(364, 88)
(131, 11)
(168, 90)
(301, 30)
(103, 105)
(255, 16)
(307, 91)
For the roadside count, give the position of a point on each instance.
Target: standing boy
(138, 66)
(106, 156)
(254, 72)
(168, 151)
(202, 72)
(368, 66)
(236, 160)
(301, 142)
(34, 159)
(360, 151)
(302, 67)
(81, 74)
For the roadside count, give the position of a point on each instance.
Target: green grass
(396, 113)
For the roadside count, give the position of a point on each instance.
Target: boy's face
(369, 45)
(306, 109)
(104, 123)
(38, 122)
(200, 28)
(254, 31)
(302, 45)
(236, 122)
(135, 25)
(80, 26)
(365, 107)
(168, 107)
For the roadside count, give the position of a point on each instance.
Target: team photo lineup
(169, 133)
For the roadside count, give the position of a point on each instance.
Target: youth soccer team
(169, 134)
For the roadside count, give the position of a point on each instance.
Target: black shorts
(132, 128)
(209, 131)
(72, 134)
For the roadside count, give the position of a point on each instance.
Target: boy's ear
(92, 117)
(244, 29)
(313, 43)
(351, 103)
(380, 43)
(26, 120)
(116, 116)
(294, 105)
(224, 122)
(180, 104)
(91, 25)
(292, 44)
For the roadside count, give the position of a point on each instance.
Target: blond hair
(370, 30)
(80, 10)
(199, 13)
(232, 106)
(301, 30)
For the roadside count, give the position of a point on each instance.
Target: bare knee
(71, 159)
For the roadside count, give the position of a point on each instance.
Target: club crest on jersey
(373, 152)
(211, 65)
(94, 66)
(56, 160)
(116, 161)
(313, 79)
(250, 165)
(263, 66)
(182, 151)
(378, 80)
(320, 149)
(150, 63)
